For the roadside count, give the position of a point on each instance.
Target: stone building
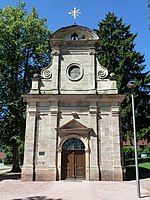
(73, 112)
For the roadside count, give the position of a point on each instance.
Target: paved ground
(12, 189)
(17, 190)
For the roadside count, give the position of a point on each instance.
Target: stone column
(29, 154)
(94, 171)
(117, 165)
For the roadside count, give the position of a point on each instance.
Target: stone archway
(73, 159)
(73, 129)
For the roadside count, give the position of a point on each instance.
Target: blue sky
(133, 12)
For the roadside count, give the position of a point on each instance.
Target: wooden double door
(73, 164)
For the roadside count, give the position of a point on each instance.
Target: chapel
(73, 128)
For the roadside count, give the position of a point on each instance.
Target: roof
(139, 142)
(2, 155)
(82, 32)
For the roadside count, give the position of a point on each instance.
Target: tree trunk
(15, 168)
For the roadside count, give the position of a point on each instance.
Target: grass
(145, 165)
(144, 171)
(8, 165)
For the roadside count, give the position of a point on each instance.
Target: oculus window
(74, 72)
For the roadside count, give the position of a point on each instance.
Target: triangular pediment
(73, 124)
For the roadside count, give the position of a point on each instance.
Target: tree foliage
(24, 50)
(116, 51)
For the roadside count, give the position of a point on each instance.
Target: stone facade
(73, 98)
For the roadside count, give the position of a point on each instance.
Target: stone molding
(101, 98)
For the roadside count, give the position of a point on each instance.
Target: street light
(132, 84)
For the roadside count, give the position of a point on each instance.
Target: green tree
(116, 51)
(24, 51)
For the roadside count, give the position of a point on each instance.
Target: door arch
(73, 159)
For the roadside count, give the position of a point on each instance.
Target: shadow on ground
(38, 198)
(130, 173)
(10, 176)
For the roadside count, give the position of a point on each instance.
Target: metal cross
(75, 13)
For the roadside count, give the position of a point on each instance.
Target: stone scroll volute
(102, 72)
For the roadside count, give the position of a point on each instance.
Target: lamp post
(132, 84)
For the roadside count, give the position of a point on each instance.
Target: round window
(74, 72)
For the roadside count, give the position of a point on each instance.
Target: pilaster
(94, 170)
(55, 71)
(92, 72)
(29, 154)
(54, 109)
(106, 144)
(118, 174)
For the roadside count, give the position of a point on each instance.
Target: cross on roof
(75, 13)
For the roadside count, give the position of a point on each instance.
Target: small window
(74, 36)
(74, 72)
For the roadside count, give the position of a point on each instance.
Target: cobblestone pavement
(12, 188)
(63, 190)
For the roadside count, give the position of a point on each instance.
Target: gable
(73, 124)
(73, 127)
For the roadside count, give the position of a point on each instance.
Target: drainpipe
(98, 143)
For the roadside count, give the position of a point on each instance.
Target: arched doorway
(73, 159)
